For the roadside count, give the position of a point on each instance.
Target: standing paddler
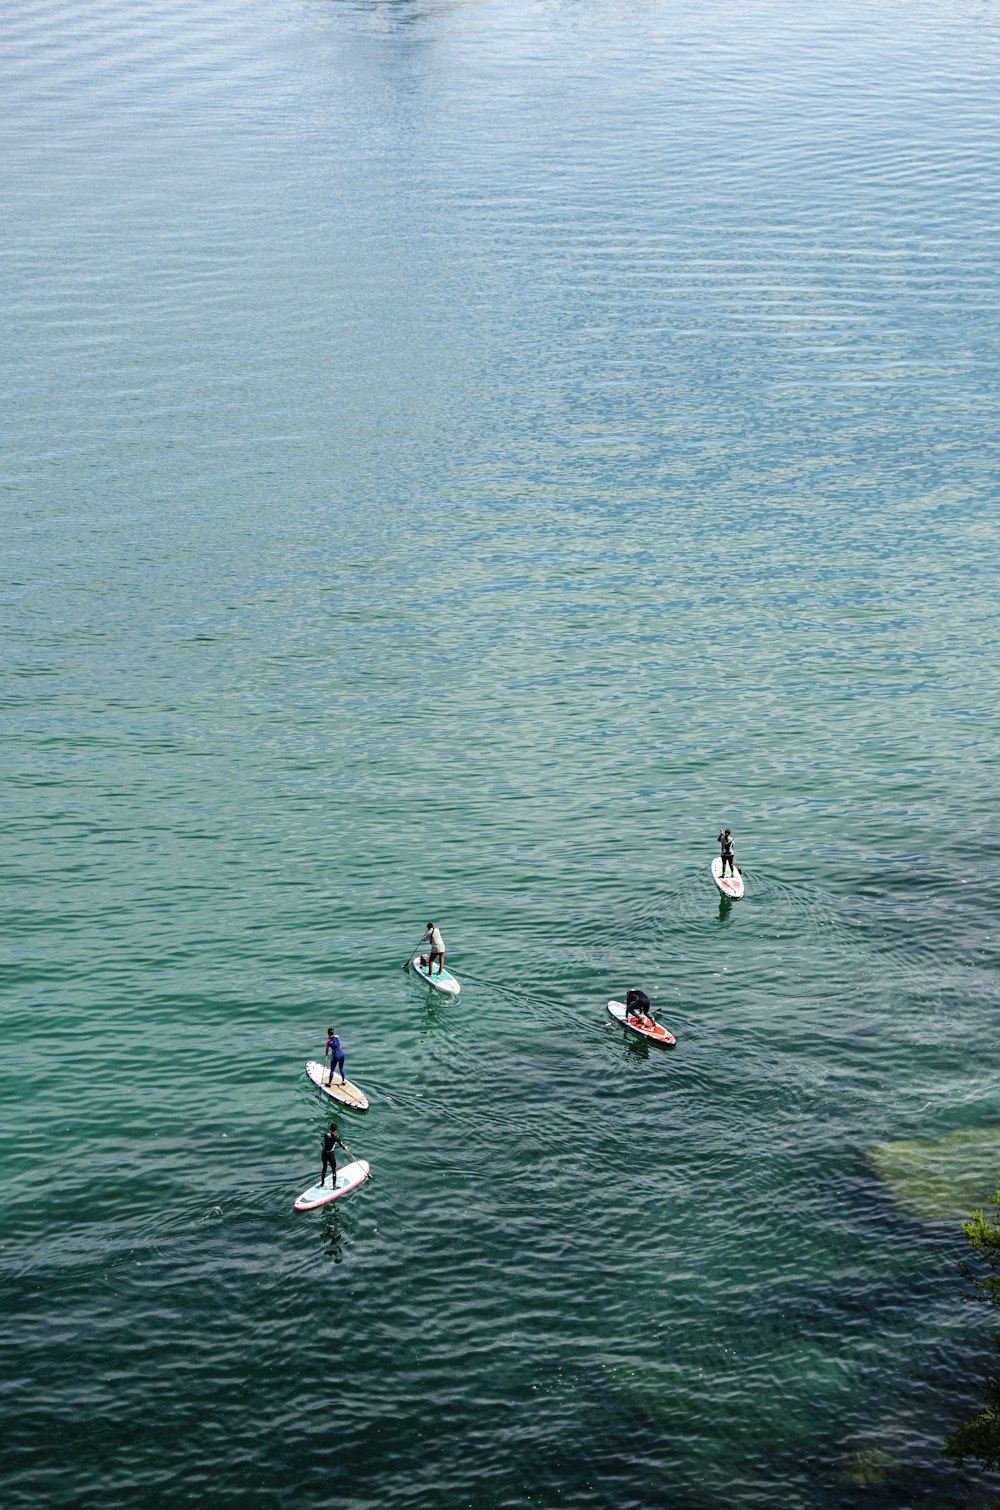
(335, 1051)
(728, 852)
(331, 1142)
(436, 950)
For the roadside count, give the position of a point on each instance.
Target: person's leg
(340, 1066)
(440, 964)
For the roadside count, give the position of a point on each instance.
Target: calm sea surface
(456, 457)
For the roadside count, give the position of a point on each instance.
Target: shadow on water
(435, 1009)
(638, 1049)
(635, 1048)
(332, 1235)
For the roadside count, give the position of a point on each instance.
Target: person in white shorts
(436, 950)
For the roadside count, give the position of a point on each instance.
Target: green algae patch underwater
(869, 1465)
(940, 1179)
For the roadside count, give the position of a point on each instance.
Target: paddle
(355, 1158)
(406, 962)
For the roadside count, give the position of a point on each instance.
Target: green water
(458, 457)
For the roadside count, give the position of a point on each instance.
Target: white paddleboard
(656, 1034)
(730, 886)
(349, 1177)
(443, 982)
(347, 1094)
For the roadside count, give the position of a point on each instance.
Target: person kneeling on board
(435, 952)
(331, 1142)
(335, 1049)
(728, 852)
(637, 1006)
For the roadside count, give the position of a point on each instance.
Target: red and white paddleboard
(730, 886)
(656, 1034)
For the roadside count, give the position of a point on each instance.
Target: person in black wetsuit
(331, 1142)
(637, 1005)
(728, 852)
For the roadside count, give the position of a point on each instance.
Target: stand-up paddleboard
(444, 982)
(730, 886)
(347, 1094)
(656, 1034)
(349, 1177)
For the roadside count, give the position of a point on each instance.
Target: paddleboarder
(637, 1006)
(331, 1142)
(335, 1050)
(436, 950)
(728, 852)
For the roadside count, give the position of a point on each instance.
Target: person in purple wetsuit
(335, 1050)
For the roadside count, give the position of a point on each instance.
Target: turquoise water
(457, 457)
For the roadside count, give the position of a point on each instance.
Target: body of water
(457, 457)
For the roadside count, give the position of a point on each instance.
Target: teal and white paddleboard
(349, 1177)
(444, 982)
